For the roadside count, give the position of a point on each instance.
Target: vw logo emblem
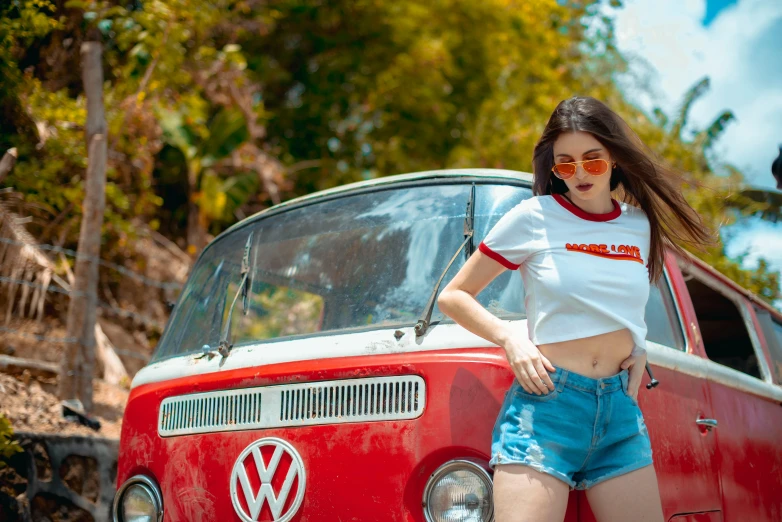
(268, 471)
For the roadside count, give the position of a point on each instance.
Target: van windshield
(365, 260)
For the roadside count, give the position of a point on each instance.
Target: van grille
(306, 404)
(215, 411)
(367, 399)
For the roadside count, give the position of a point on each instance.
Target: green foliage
(21, 22)
(720, 200)
(8, 446)
(276, 311)
(201, 93)
(53, 181)
(763, 281)
(374, 88)
(204, 148)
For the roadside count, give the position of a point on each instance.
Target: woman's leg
(522, 494)
(632, 496)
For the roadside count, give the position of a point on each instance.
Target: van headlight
(138, 500)
(459, 490)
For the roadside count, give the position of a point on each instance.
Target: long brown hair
(640, 178)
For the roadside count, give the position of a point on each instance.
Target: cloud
(761, 239)
(758, 239)
(740, 51)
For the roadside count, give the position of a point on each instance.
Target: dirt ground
(30, 402)
(34, 407)
(132, 346)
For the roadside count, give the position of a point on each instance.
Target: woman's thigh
(632, 496)
(522, 494)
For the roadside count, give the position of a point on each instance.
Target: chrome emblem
(250, 491)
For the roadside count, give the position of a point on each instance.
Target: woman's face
(580, 146)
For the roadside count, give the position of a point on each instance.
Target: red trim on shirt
(623, 257)
(497, 257)
(586, 215)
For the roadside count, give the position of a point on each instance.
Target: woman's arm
(458, 301)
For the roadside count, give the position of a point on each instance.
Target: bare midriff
(596, 357)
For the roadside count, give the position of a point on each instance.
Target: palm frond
(695, 92)
(766, 203)
(661, 117)
(21, 261)
(716, 129)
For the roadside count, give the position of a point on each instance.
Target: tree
(716, 190)
(78, 361)
(207, 195)
(306, 97)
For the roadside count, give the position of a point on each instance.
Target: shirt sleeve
(509, 242)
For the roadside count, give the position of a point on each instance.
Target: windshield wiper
(469, 219)
(225, 345)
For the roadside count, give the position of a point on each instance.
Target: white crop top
(584, 274)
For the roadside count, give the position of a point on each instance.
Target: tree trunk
(196, 234)
(114, 371)
(79, 358)
(193, 229)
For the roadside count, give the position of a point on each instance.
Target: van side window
(725, 335)
(776, 352)
(772, 331)
(662, 320)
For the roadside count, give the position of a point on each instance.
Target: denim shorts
(584, 432)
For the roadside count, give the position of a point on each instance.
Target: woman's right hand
(529, 366)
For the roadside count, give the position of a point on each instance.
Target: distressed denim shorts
(584, 432)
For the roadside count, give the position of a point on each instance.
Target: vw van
(306, 373)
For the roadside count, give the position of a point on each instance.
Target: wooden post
(78, 363)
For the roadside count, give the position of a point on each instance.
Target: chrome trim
(147, 482)
(679, 315)
(756, 344)
(278, 500)
(708, 423)
(447, 468)
(400, 397)
(740, 302)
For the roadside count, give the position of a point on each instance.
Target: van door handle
(707, 423)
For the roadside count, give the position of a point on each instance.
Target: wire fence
(103, 305)
(67, 340)
(43, 338)
(108, 264)
(122, 312)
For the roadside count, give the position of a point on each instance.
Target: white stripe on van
(440, 337)
(696, 366)
(373, 342)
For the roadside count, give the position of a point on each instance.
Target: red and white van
(307, 375)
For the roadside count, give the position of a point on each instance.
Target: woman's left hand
(635, 364)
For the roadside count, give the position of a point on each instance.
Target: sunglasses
(595, 167)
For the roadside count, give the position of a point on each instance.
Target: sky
(672, 44)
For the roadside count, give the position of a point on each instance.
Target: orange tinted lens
(596, 166)
(565, 169)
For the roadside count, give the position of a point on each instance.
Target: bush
(8, 446)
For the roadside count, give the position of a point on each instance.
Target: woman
(571, 420)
